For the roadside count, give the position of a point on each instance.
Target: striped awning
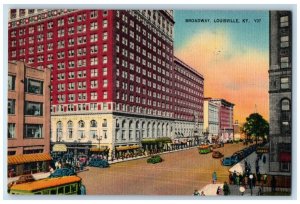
(28, 158)
(120, 148)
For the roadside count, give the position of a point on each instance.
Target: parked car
(217, 154)
(227, 161)
(154, 159)
(63, 172)
(96, 162)
(240, 155)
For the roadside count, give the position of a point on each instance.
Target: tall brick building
(280, 94)
(113, 75)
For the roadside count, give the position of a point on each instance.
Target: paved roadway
(179, 174)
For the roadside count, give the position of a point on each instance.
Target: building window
(105, 60)
(70, 129)
(104, 123)
(284, 41)
(11, 82)
(11, 131)
(93, 124)
(285, 116)
(105, 36)
(104, 71)
(94, 96)
(284, 21)
(105, 95)
(59, 131)
(33, 131)
(33, 86)
(105, 83)
(94, 14)
(11, 106)
(33, 108)
(284, 62)
(104, 23)
(284, 83)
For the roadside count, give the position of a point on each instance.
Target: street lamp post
(99, 138)
(77, 148)
(251, 184)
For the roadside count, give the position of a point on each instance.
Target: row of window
(30, 108)
(31, 131)
(31, 85)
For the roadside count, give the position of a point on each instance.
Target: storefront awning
(122, 148)
(59, 148)
(285, 157)
(28, 158)
(96, 149)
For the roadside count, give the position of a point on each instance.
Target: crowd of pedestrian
(248, 179)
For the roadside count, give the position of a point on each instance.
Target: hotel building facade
(211, 124)
(114, 78)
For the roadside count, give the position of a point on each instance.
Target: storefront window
(32, 108)
(33, 131)
(33, 86)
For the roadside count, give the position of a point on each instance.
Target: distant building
(211, 123)
(28, 118)
(225, 118)
(280, 94)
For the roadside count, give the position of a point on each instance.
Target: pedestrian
(51, 169)
(231, 178)
(264, 159)
(234, 177)
(273, 184)
(11, 173)
(219, 190)
(257, 169)
(226, 189)
(254, 181)
(238, 180)
(196, 193)
(202, 193)
(258, 177)
(259, 191)
(214, 177)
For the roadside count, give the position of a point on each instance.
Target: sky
(233, 57)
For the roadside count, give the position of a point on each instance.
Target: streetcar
(67, 185)
(204, 149)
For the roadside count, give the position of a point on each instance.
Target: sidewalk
(145, 156)
(211, 190)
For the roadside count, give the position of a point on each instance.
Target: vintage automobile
(229, 161)
(217, 154)
(154, 159)
(97, 162)
(63, 172)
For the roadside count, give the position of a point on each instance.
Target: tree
(256, 126)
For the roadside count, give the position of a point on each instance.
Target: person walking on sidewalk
(273, 184)
(214, 177)
(196, 193)
(226, 189)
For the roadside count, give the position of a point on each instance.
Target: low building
(211, 123)
(225, 118)
(28, 118)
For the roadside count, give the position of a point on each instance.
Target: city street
(179, 174)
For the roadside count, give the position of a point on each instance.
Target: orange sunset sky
(239, 76)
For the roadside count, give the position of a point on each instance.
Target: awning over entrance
(59, 148)
(28, 158)
(96, 149)
(285, 157)
(122, 148)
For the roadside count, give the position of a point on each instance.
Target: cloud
(231, 71)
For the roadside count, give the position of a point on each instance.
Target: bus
(204, 149)
(66, 185)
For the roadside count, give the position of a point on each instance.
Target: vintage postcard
(149, 102)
